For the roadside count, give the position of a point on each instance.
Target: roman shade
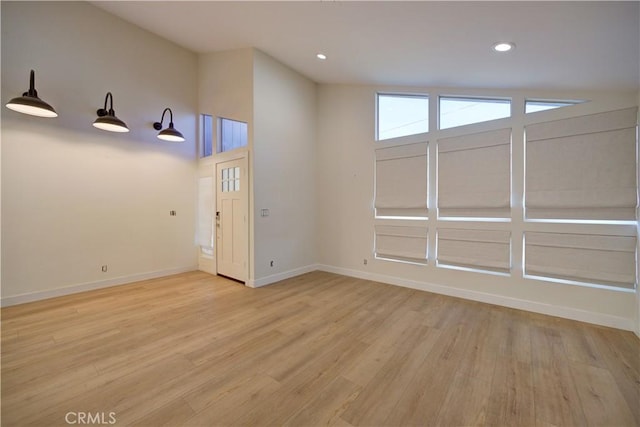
(408, 243)
(582, 168)
(205, 212)
(599, 259)
(401, 181)
(474, 175)
(478, 249)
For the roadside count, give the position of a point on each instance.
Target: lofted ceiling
(559, 45)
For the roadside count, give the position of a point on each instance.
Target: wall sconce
(29, 103)
(170, 133)
(107, 119)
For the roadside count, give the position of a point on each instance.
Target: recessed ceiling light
(503, 46)
(321, 56)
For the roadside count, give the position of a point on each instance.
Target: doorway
(231, 218)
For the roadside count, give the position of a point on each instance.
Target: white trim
(226, 156)
(89, 286)
(536, 307)
(264, 281)
(208, 265)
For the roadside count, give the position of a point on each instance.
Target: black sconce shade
(107, 119)
(169, 134)
(29, 103)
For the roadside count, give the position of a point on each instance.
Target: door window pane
(230, 179)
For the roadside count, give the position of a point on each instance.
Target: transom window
(535, 105)
(233, 134)
(206, 147)
(459, 111)
(402, 115)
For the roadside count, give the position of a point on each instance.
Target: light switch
(264, 212)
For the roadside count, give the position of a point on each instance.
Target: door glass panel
(230, 179)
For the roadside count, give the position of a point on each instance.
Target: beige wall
(225, 84)
(75, 198)
(284, 144)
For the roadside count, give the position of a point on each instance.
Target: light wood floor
(319, 349)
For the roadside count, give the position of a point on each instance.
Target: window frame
(518, 222)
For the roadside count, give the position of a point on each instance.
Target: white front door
(231, 219)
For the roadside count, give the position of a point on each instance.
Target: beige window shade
(598, 259)
(474, 175)
(582, 168)
(478, 249)
(205, 212)
(407, 243)
(401, 181)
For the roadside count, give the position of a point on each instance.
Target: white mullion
(432, 174)
(517, 185)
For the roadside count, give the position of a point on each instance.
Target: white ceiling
(560, 45)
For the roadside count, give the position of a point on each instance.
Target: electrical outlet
(365, 261)
(104, 268)
(172, 213)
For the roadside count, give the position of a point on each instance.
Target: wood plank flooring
(319, 349)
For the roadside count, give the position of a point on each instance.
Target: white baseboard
(68, 290)
(264, 281)
(536, 307)
(208, 265)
